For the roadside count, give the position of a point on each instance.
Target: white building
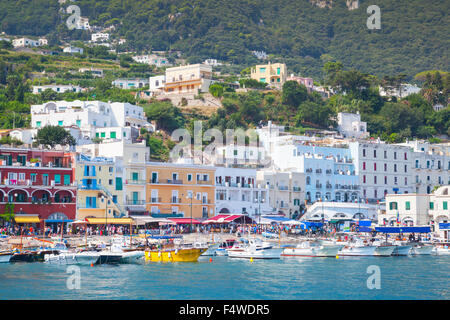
(93, 71)
(439, 211)
(237, 192)
(82, 24)
(212, 62)
(99, 36)
(157, 84)
(25, 42)
(73, 50)
(241, 155)
(351, 126)
(59, 88)
(88, 116)
(403, 91)
(341, 211)
(152, 59)
(382, 168)
(286, 191)
(130, 83)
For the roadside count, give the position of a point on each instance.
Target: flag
(398, 217)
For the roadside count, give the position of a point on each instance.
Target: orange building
(180, 190)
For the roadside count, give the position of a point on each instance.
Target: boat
(401, 249)
(174, 255)
(254, 249)
(66, 258)
(222, 250)
(211, 251)
(358, 248)
(384, 250)
(441, 250)
(121, 253)
(5, 256)
(305, 249)
(23, 256)
(421, 249)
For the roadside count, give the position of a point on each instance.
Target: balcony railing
(135, 181)
(283, 188)
(175, 200)
(135, 202)
(296, 189)
(155, 200)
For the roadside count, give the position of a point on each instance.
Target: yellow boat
(174, 255)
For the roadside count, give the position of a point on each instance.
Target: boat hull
(4, 258)
(357, 251)
(211, 251)
(273, 253)
(180, 255)
(402, 250)
(384, 251)
(81, 258)
(132, 257)
(23, 257)
(422, 250)
(441, 251)
(323, 251)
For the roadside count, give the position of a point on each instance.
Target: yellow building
(100, 188)
(188, 79)
(273, 74)
(173, 190)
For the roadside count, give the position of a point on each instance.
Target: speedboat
(222, 250)
(383, 249)
(211, 251)
(401, 249)
(254, 249)
(358, 248)
(64, 258)
(421, 249)
(441, 250)
(174, 254)
(305, 249)
(121, 253)
(5, 256)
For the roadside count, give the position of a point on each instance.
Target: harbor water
(410, 277)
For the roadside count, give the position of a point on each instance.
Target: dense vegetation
(412, 37)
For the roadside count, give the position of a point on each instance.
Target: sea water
(412, 277)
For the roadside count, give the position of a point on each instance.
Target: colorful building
(38, 184)
(177, 190)
(273, 74)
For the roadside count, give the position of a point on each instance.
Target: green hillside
(413, 35)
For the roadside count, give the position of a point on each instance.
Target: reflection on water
(421, 277)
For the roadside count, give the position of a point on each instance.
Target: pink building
(307, 82)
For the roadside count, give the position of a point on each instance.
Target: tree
(216, 90)
(293, 93)
(167, 116)
(8, 214)
(53, 135)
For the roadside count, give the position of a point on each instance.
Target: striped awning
(27, 219)
(109, 221)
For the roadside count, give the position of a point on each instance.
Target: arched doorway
(57, 220)
(224, 210)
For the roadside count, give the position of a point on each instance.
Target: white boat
(402, 249)
(384, 250)
(357, 248)
(441, 250)
(254, 249)
(222, 250)
(82, 258)
(421, 249)
(120, 252)
(305, 249)
(5, 257)
(211, 251)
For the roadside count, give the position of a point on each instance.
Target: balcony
(309, 170)
(296, 189)
(318, 185)
(207, 182)
(328, 171)
(172, 181)
(175, 200)
(155, 200)
(206, 201)
(319, 171)
(136, 182)
(135, 202)
(329, 186)
(283, 188)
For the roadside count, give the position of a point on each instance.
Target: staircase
(117, 205)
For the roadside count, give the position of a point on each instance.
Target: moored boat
(5, 257)
(67, 258)
(254, 249)
(384, 250)
(402, 250)
(421, 249)
(358, 248)
(174, 255)
(441, 250)
(306, 250)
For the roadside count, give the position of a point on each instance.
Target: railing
(297, 189)
(328, 171)
(135, 181)
(284, 188)
(175, 200)
(155, 200)
(203, 182)
(319, 185)
(135, 202)
(84, 206)
(206, 201)
(318, 170)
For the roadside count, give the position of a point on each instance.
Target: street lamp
(190, 196)
(106, 214)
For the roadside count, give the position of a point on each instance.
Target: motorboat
(419, 248)
(383, 249)
(222, 250)
(401, 249)
(23, 256)
(358, 248)
(174, 254)
(121, 253)
(305, 249)
(5, 256)
(441, 249)
(254, 249)
(211, 251)
(67, 258)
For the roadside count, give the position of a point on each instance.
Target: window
(445, 205)
(374, 153)
(112, 134)
(385, 180)
(110, 182)
(395, 167)
(111, 169)
(406, 156)
(33, 177)
(364, 152)
(38, 124)
(103, 134)
(205, 177)
(406, 168)
(189, 177)
(364, 166)
(374, 167)
(262, 70)
(262, 79)
(278, 70)
(364, 179)
(393, 205)
(431, 205)
(60, 123)
(395, 155)
(385, 154)
(235, 152)
(417, 163)
(118, 183)
(385, 167)
(57, 178)
(408, 205)
(67, 179)
(135, 175)
(375, 179)
(78, 122)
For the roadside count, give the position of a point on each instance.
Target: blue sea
(415, 277)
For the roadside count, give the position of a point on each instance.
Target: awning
(444, 226)
(185, 221)
(142, 220)
(227, 218)
(403, 229)
(363, 223)
(109, 221)
(57, 220)
(27, 219)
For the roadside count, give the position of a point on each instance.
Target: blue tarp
(57, 220)
(364, 223)
(444, 226)
(277, 218)
(403, 229)
(310, 224)
(364, 229)
(164, 237)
